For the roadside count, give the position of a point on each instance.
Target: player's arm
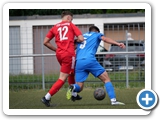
(80, 38)
(48, 44)
(111, 41)
(78, 33)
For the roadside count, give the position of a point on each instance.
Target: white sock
(113, 100)
(48, 96)
(74, 94)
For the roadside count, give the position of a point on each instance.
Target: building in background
(26, 34)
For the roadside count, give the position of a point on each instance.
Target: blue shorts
(86, 66)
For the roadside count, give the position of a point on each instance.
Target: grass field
(31, 99)
(27, 81)
(133, 75)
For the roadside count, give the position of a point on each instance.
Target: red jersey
(64, 33)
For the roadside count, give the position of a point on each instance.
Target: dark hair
(64, 13)
(94, 28)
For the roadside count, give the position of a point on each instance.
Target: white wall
(27, 35)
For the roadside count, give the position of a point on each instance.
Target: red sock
(71, 79)
(56, 86)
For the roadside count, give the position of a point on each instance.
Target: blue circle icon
(147, 99)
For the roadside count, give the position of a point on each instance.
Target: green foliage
(125, 10)
(29, 81)
(30, 12)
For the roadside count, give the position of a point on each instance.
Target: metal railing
(92, 79)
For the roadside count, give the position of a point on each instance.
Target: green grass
(26, 91)
(133, 75)
(27, 81)
(30, 99)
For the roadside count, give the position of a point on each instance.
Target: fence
(121, 78)
(33, 66)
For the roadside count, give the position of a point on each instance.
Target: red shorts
(67, 62)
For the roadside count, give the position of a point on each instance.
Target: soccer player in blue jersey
(86, 63)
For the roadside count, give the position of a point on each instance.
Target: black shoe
(76, 98)
(46, 102)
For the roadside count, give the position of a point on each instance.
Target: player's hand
(121, 45)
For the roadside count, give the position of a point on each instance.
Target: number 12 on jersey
(63, 32)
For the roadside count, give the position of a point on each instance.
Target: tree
(30, 12)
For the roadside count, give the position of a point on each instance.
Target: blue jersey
(88, 48)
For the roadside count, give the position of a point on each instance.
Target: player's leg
(79, 86)
(109, 88)
(71, 81)
(108, 85)
(71, 65)
(55, 88)
(73, 90)
(98, 71)
(80, 77)
(71, 77)
(59, 83)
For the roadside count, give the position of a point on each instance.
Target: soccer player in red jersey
(64, 33)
